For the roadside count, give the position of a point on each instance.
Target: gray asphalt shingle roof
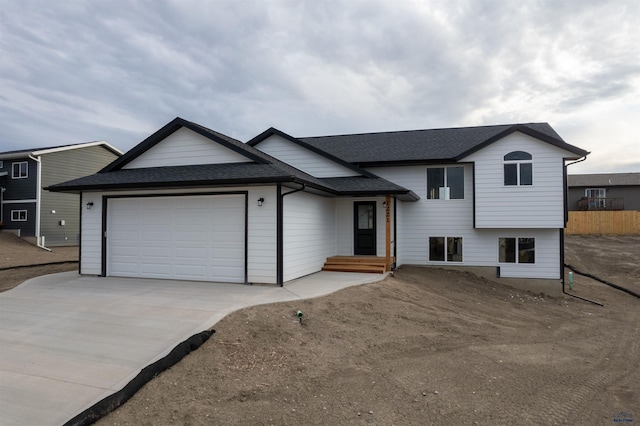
(357, 150)
(604, 179)
(259, 168)
(426, 145)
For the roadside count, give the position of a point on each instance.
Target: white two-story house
(190, 203)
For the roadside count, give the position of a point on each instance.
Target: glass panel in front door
(365, 216)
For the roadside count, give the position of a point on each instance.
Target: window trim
(19, 164)
(1, 164)
(446, 249)
(599, 190)
(518, 163)
(517, 251)
(17, 213)
(446, 181)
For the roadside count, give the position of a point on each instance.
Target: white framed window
(445, 249)
(518, 169)
(1, 165)
(517, 250)
(18, 215)
(445, 183)
(595, 193)
(20, 170)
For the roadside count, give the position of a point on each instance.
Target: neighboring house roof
(8, 155)
(424, 146)
(262, 169)
(604, 179)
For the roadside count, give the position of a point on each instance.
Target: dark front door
(365, 227)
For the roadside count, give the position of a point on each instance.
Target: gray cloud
(74, 71)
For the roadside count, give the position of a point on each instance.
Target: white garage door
(200, 238)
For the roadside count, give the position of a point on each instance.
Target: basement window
(517, 250)
(445, 249)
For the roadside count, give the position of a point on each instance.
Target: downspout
(566, 218)
(395, 233)
(280, 236)
(38, 198)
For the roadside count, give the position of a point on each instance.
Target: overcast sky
(76, 71)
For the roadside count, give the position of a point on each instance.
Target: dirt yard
(427, 346)
(17, 252)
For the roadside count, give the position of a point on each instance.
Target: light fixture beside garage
(260, 201)
(89, 205)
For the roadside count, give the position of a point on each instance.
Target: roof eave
(169, 184)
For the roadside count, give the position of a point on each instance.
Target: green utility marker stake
(571, 280)
(300, 316)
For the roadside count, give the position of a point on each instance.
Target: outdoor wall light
(89, 205)
(260, 201)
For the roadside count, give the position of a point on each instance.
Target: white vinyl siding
(185, 147)
(309, 233)
(532, 206)
(303, 159)
(261, 245)
(417, 221)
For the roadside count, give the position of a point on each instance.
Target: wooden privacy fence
(626, 222)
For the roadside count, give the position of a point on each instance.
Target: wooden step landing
(366, 264)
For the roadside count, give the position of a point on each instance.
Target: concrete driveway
(69, 341)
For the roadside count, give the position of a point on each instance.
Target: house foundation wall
(548, 287)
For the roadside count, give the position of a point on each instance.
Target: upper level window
(518, 168)
(20, 170)
(1, 165)
(445, 183)
(18, 215)
(595, 193)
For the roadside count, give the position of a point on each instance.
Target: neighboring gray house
(190, 203)
(48, 219)
(604, 191)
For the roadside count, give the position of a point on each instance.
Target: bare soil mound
(15, 251)
(429, 346)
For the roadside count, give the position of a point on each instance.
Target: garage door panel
(195, 254)
(155, 270)
(189, 237)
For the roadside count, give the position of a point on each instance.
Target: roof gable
(232, 149)
(303, 156)
(184, 147)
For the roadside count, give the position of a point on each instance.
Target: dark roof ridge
(172, 127)
(273, 131)
(60, 147)
(424, 130)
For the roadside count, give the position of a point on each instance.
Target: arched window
(518, 168)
